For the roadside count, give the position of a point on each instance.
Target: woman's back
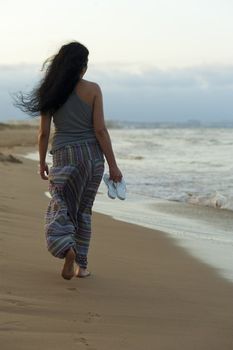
(73, 121)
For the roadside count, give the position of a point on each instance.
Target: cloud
(140, 92)
(149, 93)
(191, 77)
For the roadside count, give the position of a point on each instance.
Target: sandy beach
(145, 292)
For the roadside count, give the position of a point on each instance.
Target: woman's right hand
(43, 171)
(115, 174)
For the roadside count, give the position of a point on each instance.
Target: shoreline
(190, 225)
(145, 291)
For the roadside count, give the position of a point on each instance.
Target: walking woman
(79, 144)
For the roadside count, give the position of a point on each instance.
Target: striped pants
(74, 179)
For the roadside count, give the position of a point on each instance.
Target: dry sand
(144, 292)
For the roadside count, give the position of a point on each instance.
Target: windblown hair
(61, 75)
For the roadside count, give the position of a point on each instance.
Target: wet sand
(144, 291)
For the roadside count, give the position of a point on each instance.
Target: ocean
(180, 181)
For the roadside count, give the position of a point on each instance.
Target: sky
(164, 60)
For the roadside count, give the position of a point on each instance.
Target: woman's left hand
(44, 169)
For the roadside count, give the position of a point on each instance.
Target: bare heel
(68, 268)
(80, 272)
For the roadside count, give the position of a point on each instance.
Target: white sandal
(121, 189)
(111, 186)
(115, 189)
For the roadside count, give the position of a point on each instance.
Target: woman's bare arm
(103, 137)
(43, 140)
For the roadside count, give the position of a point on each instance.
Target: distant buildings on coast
(118, 124)
(192, 123)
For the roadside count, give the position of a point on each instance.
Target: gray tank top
(73, 123)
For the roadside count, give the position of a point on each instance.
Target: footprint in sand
(84, 341)
(16, 302)
(92, 316)
(81, 340)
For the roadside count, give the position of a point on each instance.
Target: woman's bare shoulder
(91, 86)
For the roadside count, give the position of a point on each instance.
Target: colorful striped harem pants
(74, 179)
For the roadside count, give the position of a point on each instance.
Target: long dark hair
(61, 75)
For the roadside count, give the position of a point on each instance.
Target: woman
(79, 144)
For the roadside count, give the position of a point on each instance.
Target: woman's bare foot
(68, 268)
(81, 272)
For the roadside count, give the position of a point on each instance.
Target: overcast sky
(155, 60)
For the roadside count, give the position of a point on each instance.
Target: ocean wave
(213, 200)
(132, 157)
